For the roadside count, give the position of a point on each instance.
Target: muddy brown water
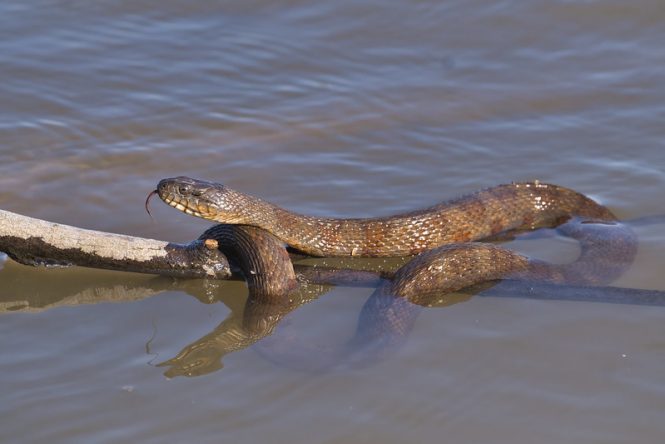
(337, 109)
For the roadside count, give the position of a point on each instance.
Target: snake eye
(183, 189)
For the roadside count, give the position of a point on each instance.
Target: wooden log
(36, 242)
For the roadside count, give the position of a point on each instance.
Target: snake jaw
(177, 205)
(194, 207)
(185, 205)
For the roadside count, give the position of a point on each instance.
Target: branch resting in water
(32, 241)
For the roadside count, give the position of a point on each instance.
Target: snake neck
(308, 234)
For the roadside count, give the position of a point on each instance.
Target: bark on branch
(37, 242)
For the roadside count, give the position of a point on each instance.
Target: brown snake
(253, 233)
(443, 235)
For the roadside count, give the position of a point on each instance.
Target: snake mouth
(185, 206)
(176, 201)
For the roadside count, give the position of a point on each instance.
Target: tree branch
(37, 242)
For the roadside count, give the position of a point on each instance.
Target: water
(345, 109)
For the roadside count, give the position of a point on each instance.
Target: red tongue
(147, 202)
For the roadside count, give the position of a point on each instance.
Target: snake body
(443, 237)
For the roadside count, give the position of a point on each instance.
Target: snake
(444, 241)
(444, 238)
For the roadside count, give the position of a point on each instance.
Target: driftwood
(32, 241)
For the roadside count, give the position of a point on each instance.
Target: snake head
(200, 198)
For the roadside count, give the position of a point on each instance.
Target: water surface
(347, 109)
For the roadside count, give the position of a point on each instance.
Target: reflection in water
(239, 330)
(384, 323)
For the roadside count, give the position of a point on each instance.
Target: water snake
(253, 232)
(446, 231)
